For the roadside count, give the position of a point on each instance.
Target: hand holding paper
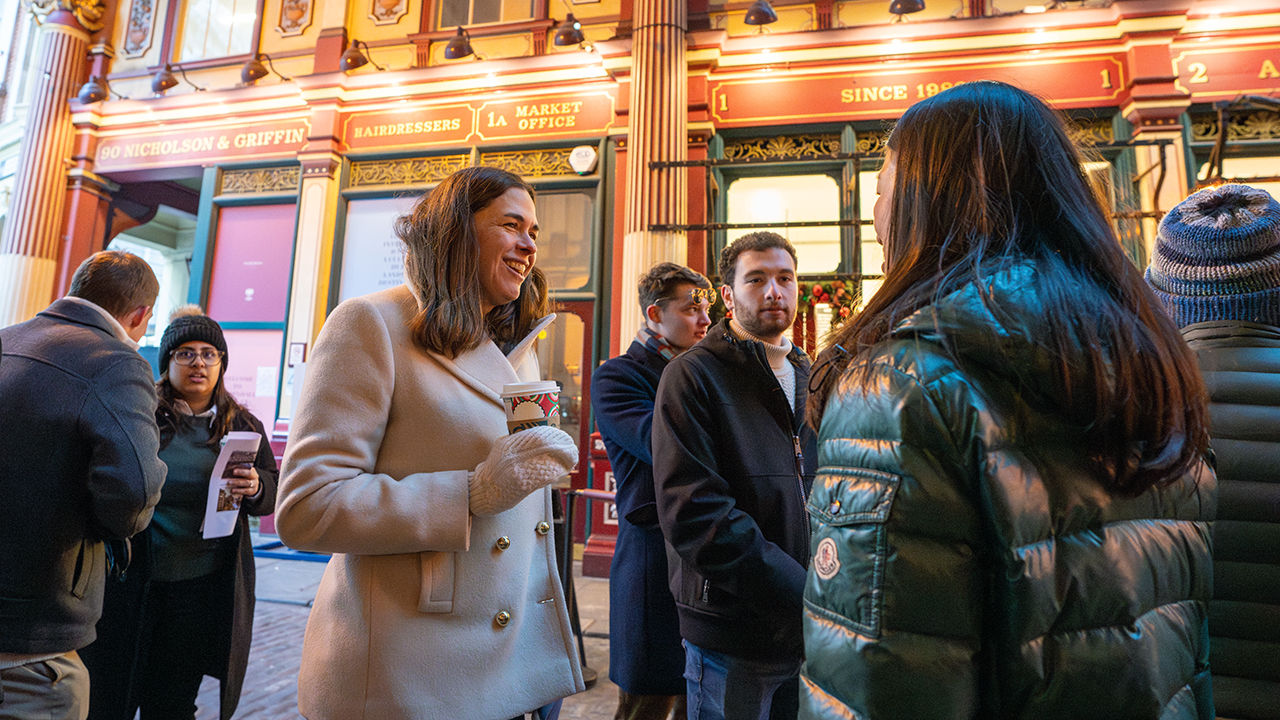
(233, 474)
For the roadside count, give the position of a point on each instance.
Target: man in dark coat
(1216, 267)
(646, 660)
(730, 475)
(78, 465)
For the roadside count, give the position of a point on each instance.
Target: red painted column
(29, 246)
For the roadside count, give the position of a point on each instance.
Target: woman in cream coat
(441, 599)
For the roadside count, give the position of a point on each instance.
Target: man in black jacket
(730, 449)
(78, 465)
(646, 660)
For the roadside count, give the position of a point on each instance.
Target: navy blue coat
(645, 654)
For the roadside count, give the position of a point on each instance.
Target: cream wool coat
(404, 624)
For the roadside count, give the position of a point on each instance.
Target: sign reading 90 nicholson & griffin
(202, 145)
(887, 92)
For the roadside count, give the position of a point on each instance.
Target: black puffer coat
(963, 569)
(1241, 365)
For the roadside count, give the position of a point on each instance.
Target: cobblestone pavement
(285, 587)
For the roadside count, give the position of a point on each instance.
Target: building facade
(652, 129)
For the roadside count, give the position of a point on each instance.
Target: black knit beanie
(188, 324)
(1217, 257)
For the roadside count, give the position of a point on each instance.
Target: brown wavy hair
(987, 176)
(442, 267)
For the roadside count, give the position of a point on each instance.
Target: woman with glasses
(184, 607)
(1011, 513)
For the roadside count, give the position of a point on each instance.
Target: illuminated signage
(545, 116)
(1224, 73)
(177, 147)
(417, 127)
(882, 93)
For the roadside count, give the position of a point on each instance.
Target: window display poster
(253, 370)
(372, 255)
(251, 263)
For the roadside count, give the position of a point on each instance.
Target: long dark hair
(988, 176)
(442, 266)
(224, 421)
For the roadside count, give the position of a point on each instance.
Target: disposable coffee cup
(531, 404)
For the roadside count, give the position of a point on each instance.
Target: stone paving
(285, 589)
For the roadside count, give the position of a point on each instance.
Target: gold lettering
(1268, 70)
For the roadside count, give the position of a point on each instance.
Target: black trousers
(178, 635)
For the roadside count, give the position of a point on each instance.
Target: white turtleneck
(782, 368)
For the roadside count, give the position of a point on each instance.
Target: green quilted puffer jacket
(963, 569)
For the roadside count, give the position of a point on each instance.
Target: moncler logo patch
(826, 561)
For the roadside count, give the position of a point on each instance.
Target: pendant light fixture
(760, 13)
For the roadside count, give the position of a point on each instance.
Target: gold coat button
(544, 527)
(503, 543)
(502, 618)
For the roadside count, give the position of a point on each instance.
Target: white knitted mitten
(517, 465)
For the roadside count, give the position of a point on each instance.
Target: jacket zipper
(706, 592)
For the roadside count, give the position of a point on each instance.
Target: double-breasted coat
(425, 611)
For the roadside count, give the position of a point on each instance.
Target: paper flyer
(222, 508)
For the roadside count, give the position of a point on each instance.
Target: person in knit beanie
(1216, 267)
(188, 323)
(1217, 257)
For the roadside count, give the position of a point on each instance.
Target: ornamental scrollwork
(89, 13)
(1092, 132)
(531, 163)
(873, 143)
(411, 171)
(262, 180)
(1258, 125)
(781, 147)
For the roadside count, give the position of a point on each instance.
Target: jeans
(722, 687)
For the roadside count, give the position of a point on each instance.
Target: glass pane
(560, 350)
(1243, 168)
(486, 11)
(564, 238)
(792, 198)
(253, 370)
(216, 28)
(454, 13)
(372, 255)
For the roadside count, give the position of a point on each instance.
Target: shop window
(372, 255)
(477, 12)
(1245, 169)
(560, 353)
(564, 237)
(792, 198)
(216, 28)
(252, 259)
(872, 250)
(166, 244)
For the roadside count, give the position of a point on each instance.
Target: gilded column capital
(89, 13)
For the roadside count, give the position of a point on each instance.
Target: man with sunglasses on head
(79, 466)
(646, 660)
(733, 463)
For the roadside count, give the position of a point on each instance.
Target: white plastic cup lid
(529, 388)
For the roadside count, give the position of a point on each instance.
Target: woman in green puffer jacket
(1011, 512)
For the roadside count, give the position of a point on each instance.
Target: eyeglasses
(182, 356)
(697, 294)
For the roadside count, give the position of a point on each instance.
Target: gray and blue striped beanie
(1217, 257)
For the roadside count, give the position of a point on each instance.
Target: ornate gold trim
(89, 13)
(531, 163)
(1092, 132)
(1258, 125)
(782, 147)
(409, 171)
(260, 180)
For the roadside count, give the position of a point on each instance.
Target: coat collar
(485, 369)
(84, 312)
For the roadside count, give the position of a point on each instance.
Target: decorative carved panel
(412, 171)
(1092, 132)
(774, 148)
(873, 143)
(263, 180)
(89, 13)
(137, 38)
(1259, 125)
(295, 17)
(531, 163)
(387, 12)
